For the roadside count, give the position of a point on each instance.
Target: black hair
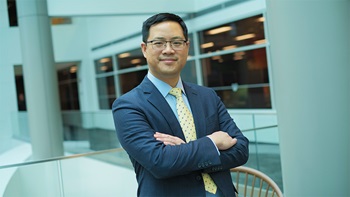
(162, 17)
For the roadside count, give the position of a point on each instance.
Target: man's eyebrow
(173, 38)
(158, 38)
(177, 37)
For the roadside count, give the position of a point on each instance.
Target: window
(230, 58)
(188, 73)
(130, 80)
(21, 101)
(106, 91)
(105, 82)
(68, 87)
(232, 35)
(240, 79)
(111, 83)
(191, 51)
(104, 65)
(235, 63)
(12, 13)
(133, 60)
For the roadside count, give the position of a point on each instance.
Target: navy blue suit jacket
(164, 170)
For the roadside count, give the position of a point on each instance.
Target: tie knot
(176, 92)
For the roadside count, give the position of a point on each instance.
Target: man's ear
(143, 48)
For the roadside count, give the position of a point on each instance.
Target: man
(171, 159)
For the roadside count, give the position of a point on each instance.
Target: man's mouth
(168, 60)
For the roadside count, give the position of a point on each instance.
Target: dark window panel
(106, 92)
(12, 13)
(21, 101)
(245, 67)
(104, 65)
(131, 59)
(68, 88)
(130, 80)
(246, 98)
(188, 73)
(191, 50)
(245, 70)
(232, 35)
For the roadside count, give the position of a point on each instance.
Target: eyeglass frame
(165, 44)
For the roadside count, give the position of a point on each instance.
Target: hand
(168, 139)
(222, 140)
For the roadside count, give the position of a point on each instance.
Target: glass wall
(113, 79)
(131, 72)
(231, 58)
(105, 84)
(240, 79)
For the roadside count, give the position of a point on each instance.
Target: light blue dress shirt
(165, 88)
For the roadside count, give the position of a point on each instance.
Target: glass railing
(101, 173)
(264, 155)
(109, 172)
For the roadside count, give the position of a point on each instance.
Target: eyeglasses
(160, 45)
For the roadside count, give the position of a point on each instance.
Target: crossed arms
(151, 145)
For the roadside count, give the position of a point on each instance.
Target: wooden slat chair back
(253, 183)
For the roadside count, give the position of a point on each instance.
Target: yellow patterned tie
(189, 130)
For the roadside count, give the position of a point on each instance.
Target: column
(310, 72)
(44, 116)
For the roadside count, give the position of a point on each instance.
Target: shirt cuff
(215, 146)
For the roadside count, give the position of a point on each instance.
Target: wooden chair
(253, 183)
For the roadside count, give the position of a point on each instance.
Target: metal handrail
(259, 128)
(62, 158)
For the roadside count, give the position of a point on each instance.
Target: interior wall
(105, 29)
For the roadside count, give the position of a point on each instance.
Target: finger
(162, 139)
(234, 141)
(162, 135)
(169, 143)
(158, 134)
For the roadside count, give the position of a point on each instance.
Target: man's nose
(168, 47)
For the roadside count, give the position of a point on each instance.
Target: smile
(168, 59)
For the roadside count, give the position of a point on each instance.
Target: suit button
(199, 178)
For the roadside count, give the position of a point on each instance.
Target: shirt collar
(163, 87)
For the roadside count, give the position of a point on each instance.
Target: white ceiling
(61, 8)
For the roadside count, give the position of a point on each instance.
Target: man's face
(165, 64)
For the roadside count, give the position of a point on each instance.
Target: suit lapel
(160, 104)
(197, 110)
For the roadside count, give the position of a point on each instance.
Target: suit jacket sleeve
(210, 116)
(238, 154)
